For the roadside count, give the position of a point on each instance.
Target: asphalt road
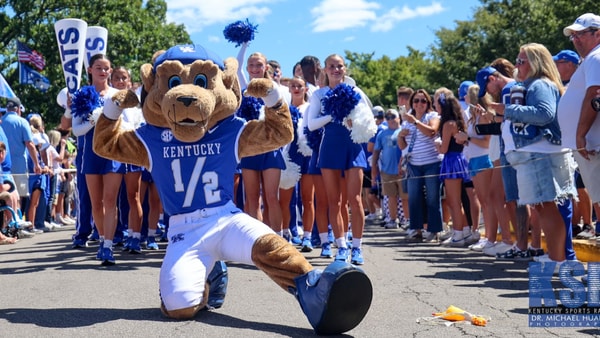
(50, 290)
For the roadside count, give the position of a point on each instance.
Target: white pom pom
(363, 124)
(291, 175)
(303, 147)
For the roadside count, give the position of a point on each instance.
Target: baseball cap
(463, 88)
(568, 55)
(392, 112)
(482, 78)
(378, 111)
(187, 54)
(13, 102)
(585, 21)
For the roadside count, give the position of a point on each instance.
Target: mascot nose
(186, 100)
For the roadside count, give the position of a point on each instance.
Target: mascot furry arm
(219, 101)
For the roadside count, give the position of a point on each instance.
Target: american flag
(26, 54)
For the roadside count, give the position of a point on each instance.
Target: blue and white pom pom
(290, 175)
(363, 124)
(85, 101)
(240, 32)
(302, 142)
(339, 101)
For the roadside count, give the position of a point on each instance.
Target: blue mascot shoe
(217, 280)
(334, 300)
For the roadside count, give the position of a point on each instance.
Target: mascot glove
(95, 116)
(273, 96)
(67, 113)
(112, 110)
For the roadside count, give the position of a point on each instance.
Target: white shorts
(588, 170)
(196, 241)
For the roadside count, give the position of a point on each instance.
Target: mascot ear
(147, 76)
(147, 71)
(230, 78)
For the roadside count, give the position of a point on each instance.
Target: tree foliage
(136, 29)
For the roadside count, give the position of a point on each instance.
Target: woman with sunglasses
(341, 160)
(533, 145)
(417, 139)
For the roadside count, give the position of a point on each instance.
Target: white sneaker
(26, 233)
(472, 237)
(446, 234)
(65, 220)
(395, 224)
(499, 247)
(456, 241)
(480, 245)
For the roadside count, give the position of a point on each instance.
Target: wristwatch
(416, 122)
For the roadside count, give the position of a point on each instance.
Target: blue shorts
(543, 177)
(478, 164)
(344, 155)
(130, 168)
(40, 182)
(313, 169)
(146, 176)
(509, 180)
(269, 160)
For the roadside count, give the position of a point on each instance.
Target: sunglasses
(420, 100)
(390, 117)
(519, 61)
(578, 35)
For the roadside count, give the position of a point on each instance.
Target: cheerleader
(342, 110)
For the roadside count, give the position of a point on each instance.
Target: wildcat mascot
(191, 144)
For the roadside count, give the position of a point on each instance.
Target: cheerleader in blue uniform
(341, 160)
(103, 176)
(130, 202)
(260, 173)
(298, 166)
(454, 169)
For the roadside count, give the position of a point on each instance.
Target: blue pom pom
(240, 32)
(340, 101)
(313, 138)
(250, 108)
(84, 101)
(295, 113)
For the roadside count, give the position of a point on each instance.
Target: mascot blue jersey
(197, 175)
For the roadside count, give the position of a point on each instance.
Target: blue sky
(291, 29)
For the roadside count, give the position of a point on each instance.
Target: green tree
(136, 29)
(379, 79)
(498, 29)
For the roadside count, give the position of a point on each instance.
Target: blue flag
(30, 76)
(5, 90)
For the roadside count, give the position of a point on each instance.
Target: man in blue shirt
(19, 136)
(387, 150)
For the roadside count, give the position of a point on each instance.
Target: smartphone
(489, 129)
(402, 110)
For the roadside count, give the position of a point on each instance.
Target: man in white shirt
(579, 122)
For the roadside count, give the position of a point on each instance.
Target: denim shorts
(509, 180)
(543, 177)
(478, 164)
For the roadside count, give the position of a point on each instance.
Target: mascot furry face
(189, 89)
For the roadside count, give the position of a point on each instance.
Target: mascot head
(189, 89)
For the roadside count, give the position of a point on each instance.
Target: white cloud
(198, 14)
(332, 15)
(387, 21)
